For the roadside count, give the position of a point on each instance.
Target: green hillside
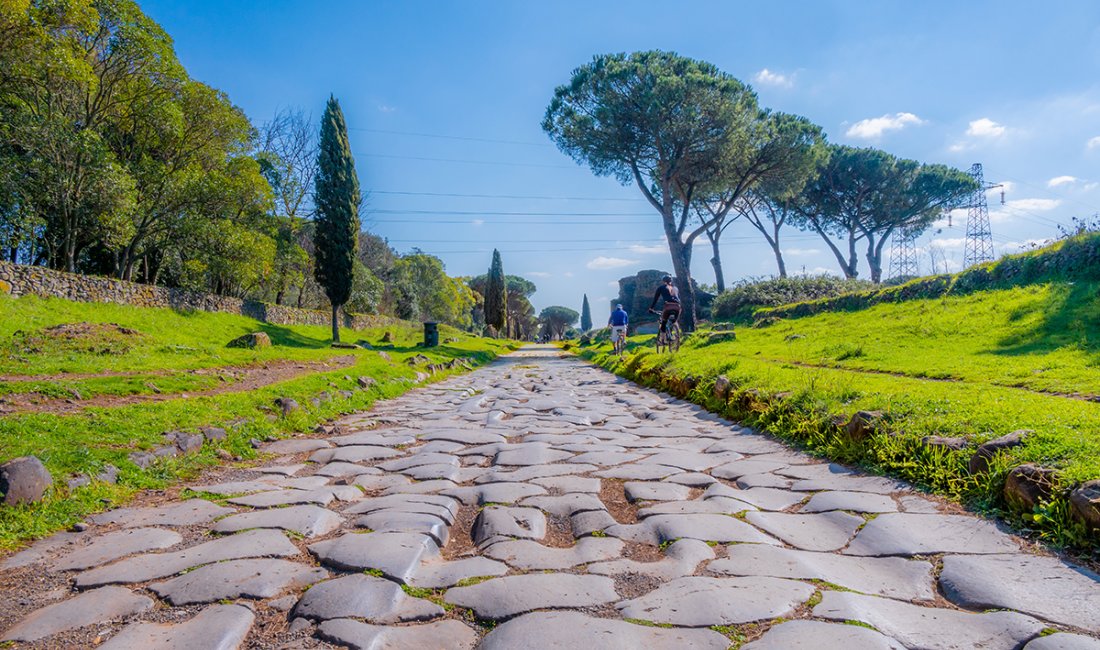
(977, 366)
(84, 385)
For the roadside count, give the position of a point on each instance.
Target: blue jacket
(618, 318)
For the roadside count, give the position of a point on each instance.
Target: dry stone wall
(23, 280)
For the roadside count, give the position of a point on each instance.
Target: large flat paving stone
(91, 607)
(373, 599)
(854, 501)
(532, 556)
(184, 513)
(912, 534)
(318, 496)
(505, 597)
(505, 492)
(308, 520)
(764, 498)
(565, 505)
(141, 568)
(681, 558)
(545, 630)
(738, 468)
(655, 491)
(828, 531)
(701, 602)
(217, 627)
(707, 527)
(885, 576)
(930, 627)
(353, 454)
(1044, 587)
(237, 579)
(394, 521)
(465, 436)
(815, 635)
(396, 555)
(529, 453)
(117, 544)
(441, 635)
(1064, 641)
(498, 523)
(437, 575)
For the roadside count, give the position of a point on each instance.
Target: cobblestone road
(543, 503)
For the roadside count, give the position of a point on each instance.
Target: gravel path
(542, 503)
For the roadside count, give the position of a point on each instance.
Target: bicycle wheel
(674, 338)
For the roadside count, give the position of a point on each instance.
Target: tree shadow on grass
(1071, 319)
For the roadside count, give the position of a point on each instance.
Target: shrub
(739, 303)
(1069, 260)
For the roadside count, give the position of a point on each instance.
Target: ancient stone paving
(543, 503)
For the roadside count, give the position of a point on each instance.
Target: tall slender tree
(496, 296)
(336, 198)
(586, 315)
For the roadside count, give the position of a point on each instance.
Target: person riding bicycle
(618, 323)
(671, 296)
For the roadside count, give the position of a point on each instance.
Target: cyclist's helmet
(666, 279)
(618, 306)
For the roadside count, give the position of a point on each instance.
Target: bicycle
(668, 337)
(618, 342)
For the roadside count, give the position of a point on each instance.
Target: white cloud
(985, 128)
(538, 274)
(603, 263)
(1061, 180)
(1028, 244)
(768, 78)
(949, 243)
(649, 249)
(874, 127)
(795, 252)
(1093, 142)
(1015, 209)
(385, 108)
(478, 222)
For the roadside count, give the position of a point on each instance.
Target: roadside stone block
(88, 608)
(23, 480)
(223, 627)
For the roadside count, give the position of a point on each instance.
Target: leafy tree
(496, 296)
(366, 291)
(683, 132)
(864, 195)
(522, 320)
(424, 291)
(586, 315)
(556, 319)
(336, 195)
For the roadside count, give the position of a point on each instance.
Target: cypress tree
(496, 296)
(336, 197)
(586, 315)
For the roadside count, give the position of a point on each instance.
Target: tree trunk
(279, 297)
(335, 323)
(681, 264)
(779, 260)
(716, 261)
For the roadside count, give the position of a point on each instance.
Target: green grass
(173, 344)
(977, 366)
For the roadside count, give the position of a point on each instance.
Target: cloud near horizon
(985, 128)
(603, 263)
(874, 127)
(1061, 180)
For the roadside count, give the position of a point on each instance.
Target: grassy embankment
(167, 355)
(978, 366)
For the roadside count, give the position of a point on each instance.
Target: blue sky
(445, 100)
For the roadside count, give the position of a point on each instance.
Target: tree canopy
(337, 223)
(556, 319)
(684, 132)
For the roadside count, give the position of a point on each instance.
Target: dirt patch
(237, 379)
(461, 543)
(641, 552)
(613, 496)
(559, 532)
(633, 585)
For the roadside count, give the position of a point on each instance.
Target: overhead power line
(462, 138)
(507, 196)
(507, 163)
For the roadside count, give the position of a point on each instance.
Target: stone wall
(22, 280)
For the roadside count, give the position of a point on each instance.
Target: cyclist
(671, 296)
(618, 324)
